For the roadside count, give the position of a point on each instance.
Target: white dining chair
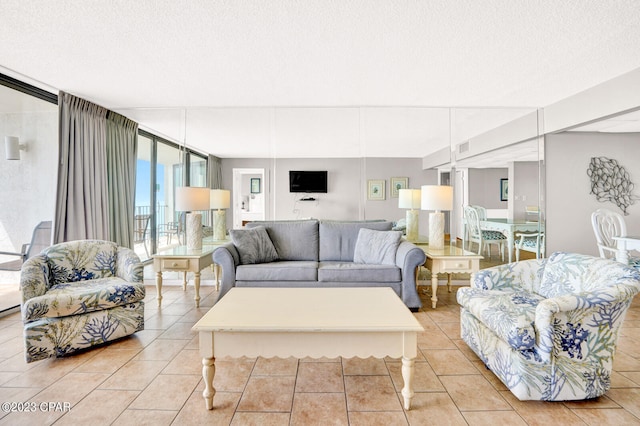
(606, 225)
(482, 212)
(480, 236)
(532, 213)
(532, 242)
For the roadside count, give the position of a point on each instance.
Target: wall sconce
(220, 200)
(190, 199)
(12, 147)
(410, 199)
(438, 198)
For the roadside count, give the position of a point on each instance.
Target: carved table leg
(159, 287)
(434, 289)
(208, 371)
(184, 281)
(407, 376)
(217, 270)
(196, 283)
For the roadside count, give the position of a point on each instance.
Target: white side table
(448, 260)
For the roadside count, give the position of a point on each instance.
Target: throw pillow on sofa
(377, 247)
(253, 245)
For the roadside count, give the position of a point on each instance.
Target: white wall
(569, 202)
(523, 188)
(28, 190)
(484, 187)
(342, 200)
(346, 198)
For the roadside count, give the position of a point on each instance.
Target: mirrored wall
(491, 156)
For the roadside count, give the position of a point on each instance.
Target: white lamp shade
(12, 147)
(220, 199)
(437, 197)
(409, 198)
(190, 198)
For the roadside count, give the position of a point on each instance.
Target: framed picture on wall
(375, 189)
(504, 189)
(255, 185)
(398, 183)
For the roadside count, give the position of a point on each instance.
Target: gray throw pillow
(253, 245)
(377, 247)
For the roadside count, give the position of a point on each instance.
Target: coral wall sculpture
(610, 182)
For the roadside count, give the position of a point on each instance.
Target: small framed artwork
(504, 189)
(255, 185)
(375, 190)
(398, 183)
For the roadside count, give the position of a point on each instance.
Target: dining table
(623, 245)
(509, 228)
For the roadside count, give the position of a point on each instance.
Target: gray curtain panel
(122, 149)
(96, 173)
(81, 201)
(215, 172)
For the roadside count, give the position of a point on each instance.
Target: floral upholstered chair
(79, 294)
(548, 327)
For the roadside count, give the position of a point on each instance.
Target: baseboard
(9, 311)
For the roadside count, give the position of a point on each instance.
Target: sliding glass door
(142, 241)
(160, 170)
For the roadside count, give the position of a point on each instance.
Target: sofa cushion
(293, 239)
(81, 297)
(357, 272)
(509, 314)
(81, 260)
(279, 271)
(376, 247)
(570, 273)
(338, 239)
(253, 245)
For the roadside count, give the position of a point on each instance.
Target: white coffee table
(309, 322)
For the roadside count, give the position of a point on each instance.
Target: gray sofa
(312, 253)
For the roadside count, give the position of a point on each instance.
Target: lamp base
(194, 231)
(436, 230)
(412, 225)
(219, 225)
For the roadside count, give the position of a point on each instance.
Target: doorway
(249, 199)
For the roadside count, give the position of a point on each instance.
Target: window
(159, 171)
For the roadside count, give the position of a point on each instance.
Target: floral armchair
(548, 327)
(79, 294)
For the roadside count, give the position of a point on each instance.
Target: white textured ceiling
(318, 78)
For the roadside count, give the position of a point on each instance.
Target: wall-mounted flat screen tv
(308, 181)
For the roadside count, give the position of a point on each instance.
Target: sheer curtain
(96, 173)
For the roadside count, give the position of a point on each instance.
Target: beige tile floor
(154, 378)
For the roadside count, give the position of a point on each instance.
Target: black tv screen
(308, 181)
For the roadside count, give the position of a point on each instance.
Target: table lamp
(437, 198)
(192, 199)
(410, 199)
(220, 200)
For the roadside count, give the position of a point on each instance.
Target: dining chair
(532, 213)
(40, 240)
(606, 225)
(529, 241)
(176, 228)
(482, 215)
(480, 236)
(482, 212)
(141, 230)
